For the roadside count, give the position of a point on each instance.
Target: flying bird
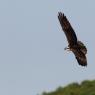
(74, 45)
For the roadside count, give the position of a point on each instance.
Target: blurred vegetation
(86, 87)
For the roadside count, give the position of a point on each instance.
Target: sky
(32, 56)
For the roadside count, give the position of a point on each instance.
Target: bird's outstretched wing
(67, 28)
(81, 57)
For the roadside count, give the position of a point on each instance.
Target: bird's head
(67, 48)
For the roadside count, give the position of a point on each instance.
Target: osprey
(74, 45)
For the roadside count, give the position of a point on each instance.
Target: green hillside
(86, 87)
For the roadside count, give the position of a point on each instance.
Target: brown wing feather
(81, 57)
(68, 30)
